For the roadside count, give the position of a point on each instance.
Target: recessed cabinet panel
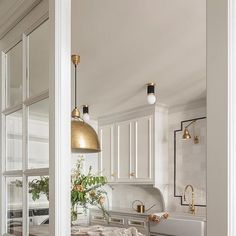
(106, 157)
(143, 148)
(124, 150)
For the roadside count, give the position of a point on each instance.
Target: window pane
(38, 135)
(39, 59)
(14, 141)
(14, 75)
(39, 205)
(14, 205)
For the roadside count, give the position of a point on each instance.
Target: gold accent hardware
(113, 175)
(196, 140)
(192, 208)
(84, 138)
(150, 84)
(132, 174)
(75, 59)
(75, 113)
(186, 134)
(140, 208)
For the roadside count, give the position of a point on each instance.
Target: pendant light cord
(75, 86)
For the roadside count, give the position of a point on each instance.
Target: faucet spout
(192, 208)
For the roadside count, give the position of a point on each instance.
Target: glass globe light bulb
(151, 98)
(86, 117)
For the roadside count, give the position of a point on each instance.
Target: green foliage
(86, 189)
(38, 187)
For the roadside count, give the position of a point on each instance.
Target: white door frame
(221, 114)
(60, 119)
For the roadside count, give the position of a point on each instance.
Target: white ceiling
(125, 44)
(12, 11)
(6, 7)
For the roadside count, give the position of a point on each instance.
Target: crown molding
(15, 14)
(188, 106)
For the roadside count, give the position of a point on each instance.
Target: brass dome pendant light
(84, 138)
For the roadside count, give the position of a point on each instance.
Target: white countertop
(175, 215)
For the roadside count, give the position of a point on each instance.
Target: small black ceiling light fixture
(151, 98)
(86, 116)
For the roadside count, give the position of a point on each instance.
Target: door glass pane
(14, 141)
(38, 135)
(14, 205)
(14, 75)
(39, 59)
(39, 205)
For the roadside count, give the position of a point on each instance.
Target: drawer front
(139, 223)
(98, 219)
(116, 220)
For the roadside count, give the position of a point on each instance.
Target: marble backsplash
(122, 196)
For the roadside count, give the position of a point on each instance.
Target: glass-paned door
(14, 70)
(25, 125)
(14, 141)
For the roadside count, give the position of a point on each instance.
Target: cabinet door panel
(124, 150)
(106, 156)
(143, 148)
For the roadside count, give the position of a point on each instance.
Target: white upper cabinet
(106, 156)
(144, 148)
(127, 154)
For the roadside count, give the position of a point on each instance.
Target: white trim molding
(221, 117)
(15, 14)
(60, 119)
(217, 117)
(232, 120)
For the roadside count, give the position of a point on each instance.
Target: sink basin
(179, 224)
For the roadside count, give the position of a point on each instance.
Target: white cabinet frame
(129, 122)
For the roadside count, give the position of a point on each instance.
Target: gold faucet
(192, 208)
